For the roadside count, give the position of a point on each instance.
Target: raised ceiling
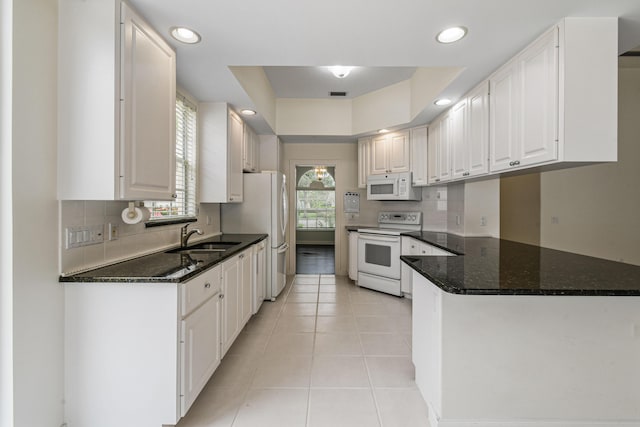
(388, 38)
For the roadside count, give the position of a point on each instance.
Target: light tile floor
(325, 354)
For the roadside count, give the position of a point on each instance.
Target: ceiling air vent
(332, 93)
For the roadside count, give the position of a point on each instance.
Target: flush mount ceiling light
(451, 35)
(383, 131)
(185, 35)
(340, 71)
(442, 102)
(248, 112)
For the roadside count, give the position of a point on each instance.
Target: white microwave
(393, 186)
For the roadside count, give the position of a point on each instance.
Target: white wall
(6, 217)
(596, 207)
(38, 304)
(133, 240)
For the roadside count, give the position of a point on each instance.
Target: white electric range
(379, 250)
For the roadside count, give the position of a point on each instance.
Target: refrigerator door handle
(283, 248)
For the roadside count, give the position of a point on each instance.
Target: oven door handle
(379, 238)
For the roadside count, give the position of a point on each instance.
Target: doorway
(315, 219)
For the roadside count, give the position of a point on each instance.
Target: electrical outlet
(113, 231)
(555, 220)
(483, 221)
(457, 219)
(208, 219)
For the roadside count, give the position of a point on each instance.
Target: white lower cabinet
(236, 297)
(200, 355)
(138, 354)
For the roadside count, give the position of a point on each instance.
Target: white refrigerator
(264, 210)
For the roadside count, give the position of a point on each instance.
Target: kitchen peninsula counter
(513, 334)
(167, 267)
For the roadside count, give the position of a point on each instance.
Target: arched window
(315, 198)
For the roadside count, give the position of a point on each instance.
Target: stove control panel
(400, 218)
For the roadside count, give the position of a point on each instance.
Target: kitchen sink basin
(213, 246)
(203, 248)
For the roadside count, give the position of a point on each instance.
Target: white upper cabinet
(470, 134)
(478, 129)
(419, 156)
(116, 112)
(390, 153)
(524, 107)
(459, 140)
(221, 139)
(556, 101)
(364, 147)
(439, 150)
(250, 150)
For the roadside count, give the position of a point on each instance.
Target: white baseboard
(529, 423)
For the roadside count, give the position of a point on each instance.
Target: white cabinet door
(538, 104)
(231, 293)
(353, 255)
(504, 117)
(478, 130)
(236, 136)
(260, 278)
(221, 138)
(379, 163)
(147, 112)
(418, 140)
(250, 150)
(433, 146)
(399, 150)
(444, 149)
(364, 145)
(246, 304)
(459, 141)
(201, 354)
(524, 107)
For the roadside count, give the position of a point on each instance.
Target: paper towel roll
(129, 217)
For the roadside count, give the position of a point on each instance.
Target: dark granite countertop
(489, 266)
(167, 267)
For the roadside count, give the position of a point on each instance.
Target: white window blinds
(185, 202)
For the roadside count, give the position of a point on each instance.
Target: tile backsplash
(132, 240)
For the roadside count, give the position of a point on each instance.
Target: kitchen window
(184, 206)
(316, 198)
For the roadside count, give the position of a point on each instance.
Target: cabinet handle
(465, 174)
(437, 179)
(241, 256)
(207, 285)
(175, 196)
(221, 296)
(516, 163)
(231, 199)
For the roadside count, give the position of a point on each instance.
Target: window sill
(169, 221)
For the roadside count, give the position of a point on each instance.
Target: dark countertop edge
(75, 278)
(451, 289)
(432, 243)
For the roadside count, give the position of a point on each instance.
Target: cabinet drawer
(199, 289)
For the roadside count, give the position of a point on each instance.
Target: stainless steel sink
(203, 248)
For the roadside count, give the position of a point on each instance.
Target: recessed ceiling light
(442, 102)
(247, 112)
(340, 71)
(185, 35)
(451, 35)
(383, 131)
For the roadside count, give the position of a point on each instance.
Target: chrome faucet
(184, 235)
